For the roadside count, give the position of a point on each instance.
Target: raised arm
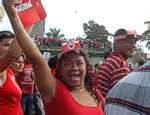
(44, 79)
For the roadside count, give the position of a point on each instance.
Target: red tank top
(10, 96)
(64, 104)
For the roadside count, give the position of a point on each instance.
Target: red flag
(30, 12)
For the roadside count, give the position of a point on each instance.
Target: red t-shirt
(64, 104)
(10, 96)
(53, 71)
(113, 69)
(26, 80)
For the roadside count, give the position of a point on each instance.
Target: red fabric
(70, 45)
(53, 71)
(26, 79)
(37, 12)
(10, 96)
(64, 104)
(114, 68)
(39, 8)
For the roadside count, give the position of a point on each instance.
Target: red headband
(70, 45)
(120, 37)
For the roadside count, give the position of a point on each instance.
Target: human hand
(10, 3)
(10, 7)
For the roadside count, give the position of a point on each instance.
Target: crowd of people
(67, 84)
(57, 43)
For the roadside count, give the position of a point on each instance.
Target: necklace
(2, 78)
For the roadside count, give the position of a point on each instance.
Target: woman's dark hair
(6, 34)
(21, 55)
(87, 81)
(141, 61)
(96, 65)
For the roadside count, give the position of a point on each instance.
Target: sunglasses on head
(130, 39)
(6, 35)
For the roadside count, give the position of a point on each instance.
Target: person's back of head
(96, 65)
(106, 54)
(141, 61)
(52, 62)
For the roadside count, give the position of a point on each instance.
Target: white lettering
(24, 6)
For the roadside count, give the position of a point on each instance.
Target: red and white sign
(70, 45)
(30, 12)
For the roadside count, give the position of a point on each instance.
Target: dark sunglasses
(6, 35)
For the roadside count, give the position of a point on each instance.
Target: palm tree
(54, 33)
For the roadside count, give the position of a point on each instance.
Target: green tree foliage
(95, 31)
(54, 33)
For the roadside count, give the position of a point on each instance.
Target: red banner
(30, 12)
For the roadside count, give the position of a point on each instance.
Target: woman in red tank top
(10, 93)
(70, 93)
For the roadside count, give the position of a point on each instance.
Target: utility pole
(2, 12)
(148, 24)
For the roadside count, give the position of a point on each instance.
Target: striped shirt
(110, 72)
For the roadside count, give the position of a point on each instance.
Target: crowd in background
(57, 42)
